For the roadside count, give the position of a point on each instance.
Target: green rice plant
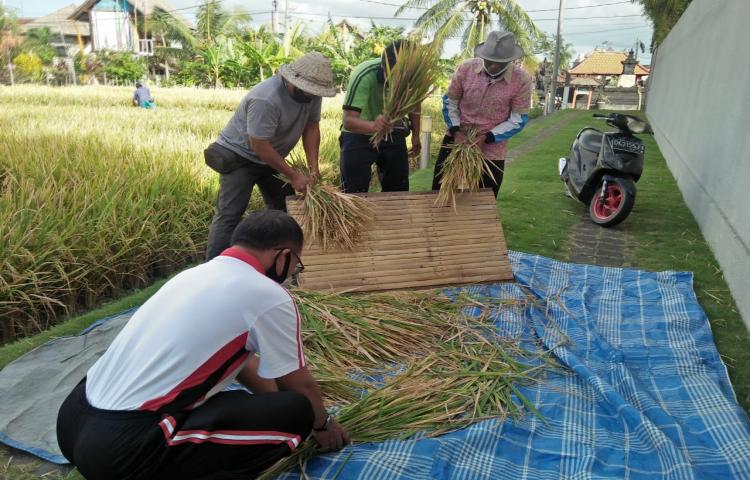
(408, 83)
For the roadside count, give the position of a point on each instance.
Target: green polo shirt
(364, 93)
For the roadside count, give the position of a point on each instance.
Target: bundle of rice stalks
(463, 169)
(333, 218)
(408, 83)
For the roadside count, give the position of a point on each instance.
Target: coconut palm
(473, 20)
(39, 41)
(175, 41)
(212, 20)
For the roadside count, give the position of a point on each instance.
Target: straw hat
(500, 47)
(311, 73)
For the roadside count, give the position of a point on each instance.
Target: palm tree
(39, 41)
(473, 20)
(167, 29)
(9, 38)
(212, 20)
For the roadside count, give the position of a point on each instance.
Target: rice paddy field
(98, 197)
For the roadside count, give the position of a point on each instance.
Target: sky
(586, 23)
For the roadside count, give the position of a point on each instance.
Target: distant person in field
(142, 96)
(492, 93)
(363, 117)
(155, 405)
(266, 126)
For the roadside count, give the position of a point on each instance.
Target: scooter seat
(590, 139)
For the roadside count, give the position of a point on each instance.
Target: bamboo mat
(413, 244)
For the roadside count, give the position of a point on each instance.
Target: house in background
(118, 25)
(620, 68)
(70, 36)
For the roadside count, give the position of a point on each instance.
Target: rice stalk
(458, 384)
(336, 220)
(463, 169)
(408, 83)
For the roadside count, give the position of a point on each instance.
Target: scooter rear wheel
(615, 205)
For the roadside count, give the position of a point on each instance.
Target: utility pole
(549, 106)
(286, 16)
(275, 17)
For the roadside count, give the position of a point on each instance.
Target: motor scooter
(603, 168)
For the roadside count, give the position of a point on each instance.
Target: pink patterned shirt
(499, 106)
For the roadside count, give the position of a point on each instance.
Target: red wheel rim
(611, 204)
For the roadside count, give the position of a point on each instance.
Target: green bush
(123, 66)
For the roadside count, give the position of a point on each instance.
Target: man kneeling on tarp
(155, 406)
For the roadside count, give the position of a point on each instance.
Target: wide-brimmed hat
(500, 47)
(311, 73)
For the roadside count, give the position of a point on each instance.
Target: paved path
(588, 242)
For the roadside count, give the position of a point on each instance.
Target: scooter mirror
(636, 125)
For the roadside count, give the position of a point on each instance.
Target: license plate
(628, 145)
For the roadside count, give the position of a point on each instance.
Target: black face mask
(301, 97)
(271, 272)
(380, 74)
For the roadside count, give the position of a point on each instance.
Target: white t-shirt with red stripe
(191, 339)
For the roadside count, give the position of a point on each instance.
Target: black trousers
(234, 435)
(496, 166)
(236, 185)
(358, 155)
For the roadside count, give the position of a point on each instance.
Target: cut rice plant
(336, 220)
(463, 169)
(367, 331)
(408, 83)
(469, 377)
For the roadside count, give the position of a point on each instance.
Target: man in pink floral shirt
(491, 93)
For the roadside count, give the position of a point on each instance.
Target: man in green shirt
(363, 117)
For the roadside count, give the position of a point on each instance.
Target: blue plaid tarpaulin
(645, 394)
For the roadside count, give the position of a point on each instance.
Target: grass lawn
(538, 218)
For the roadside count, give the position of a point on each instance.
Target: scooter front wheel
(612, 203)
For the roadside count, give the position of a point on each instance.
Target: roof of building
(59, 21)
(601, 62)
(146, 8)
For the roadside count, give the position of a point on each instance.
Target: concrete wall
(620, 98)
(699, 105)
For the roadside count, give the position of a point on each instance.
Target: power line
(608, 30)
(527, 11)
(409, 19)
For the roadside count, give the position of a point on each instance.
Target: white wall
(111, 30)
(699, 105)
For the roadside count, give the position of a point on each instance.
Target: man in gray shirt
(266, 126)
